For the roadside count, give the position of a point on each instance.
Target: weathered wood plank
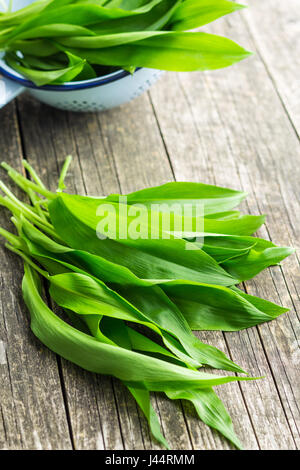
(32, 407)
(278, 43)
(230, 128)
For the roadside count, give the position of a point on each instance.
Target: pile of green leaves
(132, 303)
(57, 41)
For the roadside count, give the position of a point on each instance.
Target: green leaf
(261, 256)
(210, 307)
(128, 338)
(142, 397)
(213, 198)
(150, 307)
(173, 51)
(157, 306)
(54, 30)
(42, 77)
(75, 218)
(36, 47)
(225, 247)
(152, 20)
(205, 307)
(210, 410)
(19, 16)
(87, 297)
(192, 14)
(244, 225)
(131, 367)
(105, 40)
(80, 14)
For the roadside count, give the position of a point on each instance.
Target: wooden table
(237, 127)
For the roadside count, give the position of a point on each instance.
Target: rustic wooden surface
(237, 127)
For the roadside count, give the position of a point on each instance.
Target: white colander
(97, 94)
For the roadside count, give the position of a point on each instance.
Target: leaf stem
(64, 170)
(13, 239)
(22, 206)
(15, 210)
(33, 174)
(35, 199)
(28, 260)
(19, 179)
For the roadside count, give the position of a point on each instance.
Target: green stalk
(64, 170)
(28, 260)
(13, 239)
(33, 174)
(43, 202)
(15, 210)
(19, 179)
(22, 206)
(35, 199)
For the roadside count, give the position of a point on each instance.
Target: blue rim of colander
(68, 86)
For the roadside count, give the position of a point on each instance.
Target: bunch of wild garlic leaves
(57, 41)
(133, 303)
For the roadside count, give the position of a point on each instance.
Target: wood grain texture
(278, 43)
(235, 127)
(32, 408)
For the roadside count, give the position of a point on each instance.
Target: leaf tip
(248, 53)
(240, 6)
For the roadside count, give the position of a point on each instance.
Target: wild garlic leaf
(105, 40)
(76, 218)
(165, 307)
(155, 304)
(19, 16)
(53, 31)
(42, 77)
(36, 47)
(117, 333)
(153, 20)
(213, 198)
(210, 410)
(224, 247)
(82, 294)
(131, 367)
(142, 398)
(192, 14)
(79, 13)
(205, 307)
(91, 299)
(118, 34)
(211, 307)
(173, 51)
(260, 257)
